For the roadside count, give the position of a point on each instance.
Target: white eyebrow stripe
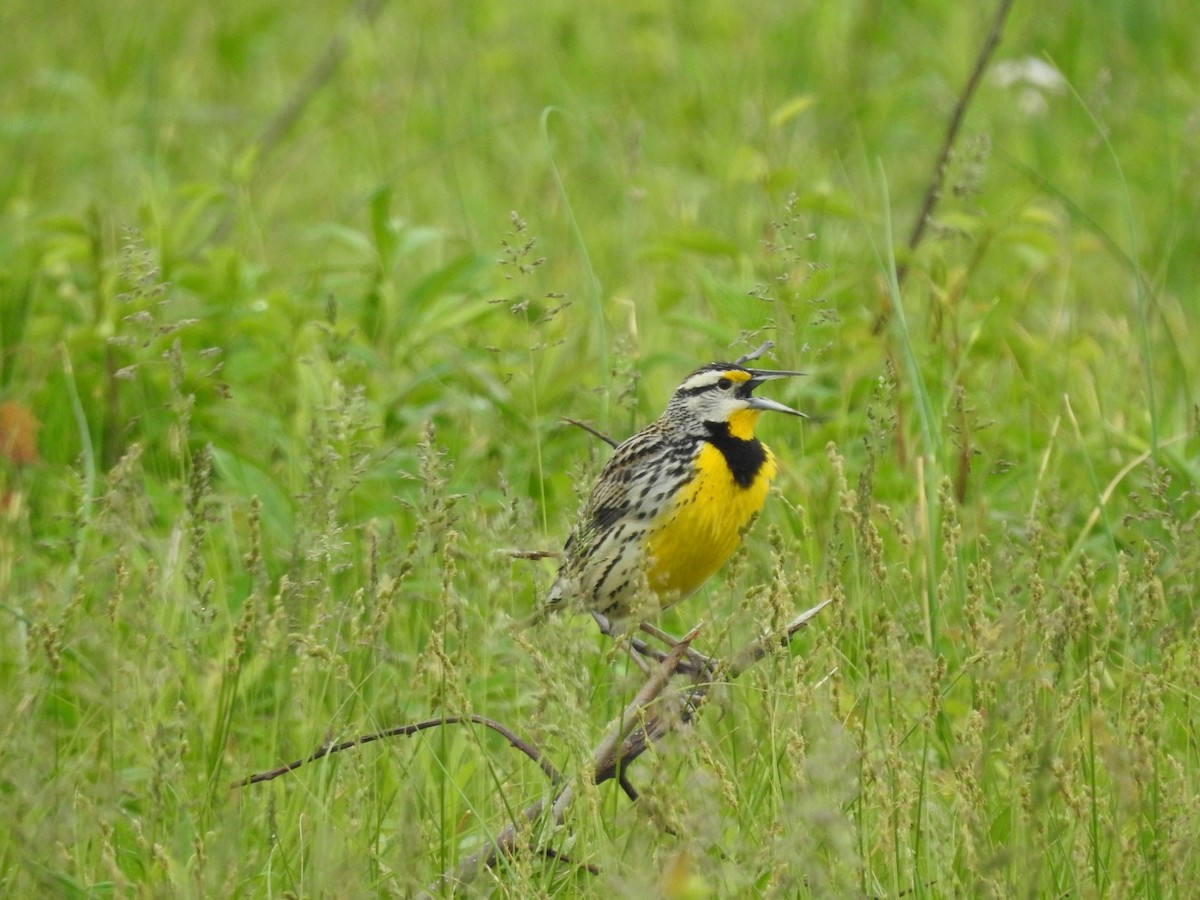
(702, 381)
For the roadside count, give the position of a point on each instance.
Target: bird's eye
(724, 384)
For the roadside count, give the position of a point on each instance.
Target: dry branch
(643, 722)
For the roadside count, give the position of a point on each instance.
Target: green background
(300, 293)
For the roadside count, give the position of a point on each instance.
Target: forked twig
(643, 722)
(605, 762)
(759, 649)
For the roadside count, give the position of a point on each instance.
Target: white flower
(1034, 78)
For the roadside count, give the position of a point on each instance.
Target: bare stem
(403, 730)
(592, 431)
(643, 722)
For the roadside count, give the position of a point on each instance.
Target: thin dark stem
(608, 759)
(314, 79)
(590, 430)
(403, 730)
(319, 74)
(644, 721)
(551, 853)
(531, 554)
(934, 191)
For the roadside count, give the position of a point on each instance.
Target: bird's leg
(697, 662)
(606, 626)
(693, 663)
(655, 632)
(638, 650)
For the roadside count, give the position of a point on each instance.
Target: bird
(673, 502)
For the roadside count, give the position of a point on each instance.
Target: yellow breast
(701, 529)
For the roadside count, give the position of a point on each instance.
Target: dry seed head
(971, 803)
(1067, 786)
(847, 499)
(117, 595)
(44, 635)
(780, 596)
(951, 529)
(977, 577)
(936, 675)
(1148, 595)
(872, 542)
(713, 765)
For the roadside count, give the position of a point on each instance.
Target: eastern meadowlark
(673, 501)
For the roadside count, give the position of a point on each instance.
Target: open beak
(758, 376)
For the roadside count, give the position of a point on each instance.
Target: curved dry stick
(759, 649)
(402, 730)
(692, 697)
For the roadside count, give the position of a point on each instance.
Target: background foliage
(299, 370)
